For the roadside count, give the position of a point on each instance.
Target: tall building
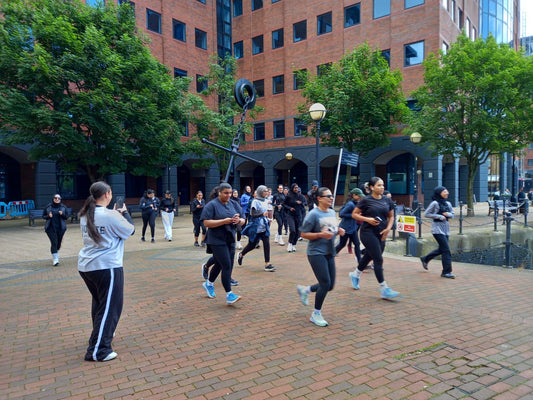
(272, 39)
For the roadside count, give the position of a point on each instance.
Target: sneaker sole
(229, 303)
(318, 323)
(208, 294)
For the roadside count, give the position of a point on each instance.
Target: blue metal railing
(16, 208)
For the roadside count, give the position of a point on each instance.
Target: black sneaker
(203, 244)
(153, 240)
(205, 271)
(196, 244)
(233, 282)
(424, 263)
(270, 268)
(143, 239)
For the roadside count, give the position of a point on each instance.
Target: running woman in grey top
(100, 266)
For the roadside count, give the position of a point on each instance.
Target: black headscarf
(443, 204)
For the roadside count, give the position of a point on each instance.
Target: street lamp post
(415, 138)
(317, 111)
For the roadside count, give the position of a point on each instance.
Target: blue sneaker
(388, 293)
(318, 319)
(355, 280)
(210, 290)
(232, 298)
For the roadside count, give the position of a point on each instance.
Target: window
(201, 1)
(323, 23)
(530, 162)
(413, 3)
(381, 8)
(299, 127)
(278, 84)
(200, 39)
(257, 4)
(298, 79)
(277, 38)
(444, 47)
(323, 68)
(185, 127)
(237, 8)
(299, 31)
(413, 53)
(445, 4)
(279, 129)
(259, 131)
(460, 15)
(386, 55)
(238, 50)
(180, 73)
(275, 1)
(352, 15)
(468, 28)
(474, 34)
(178, 30)
(452, 10)
(153, 21)
(201, 83)
(257, 44)
(259, 86)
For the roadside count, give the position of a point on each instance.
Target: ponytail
(97, 190)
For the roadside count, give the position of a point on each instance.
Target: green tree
(220, 122)
(363, 98)
(79, 85)
(476, 101)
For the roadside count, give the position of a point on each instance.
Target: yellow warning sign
(406, 223)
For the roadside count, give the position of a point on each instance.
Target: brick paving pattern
(471, 337)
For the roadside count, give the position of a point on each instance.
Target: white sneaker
(239, 245)
(318, 319)
(110, 356)
(281, 242)
(289, 248)
(276, 239)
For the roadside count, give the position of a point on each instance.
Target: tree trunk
(472, 171)
(347, 183)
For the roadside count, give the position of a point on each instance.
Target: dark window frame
(259, 131)
(299, 27)
(259, 86)
(381, 14)
(149, 16)
(278, 84)
(277, 40)
(237, 8)
(200, 39)
(299, 125)
(239, 45)
(322, 23)
(175, 24)
(347, 9)
(276, 126)
(405, 55)
(256, 47)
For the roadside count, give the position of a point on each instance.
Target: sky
(526, 6)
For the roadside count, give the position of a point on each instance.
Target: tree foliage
(80, 86)
(476, 101)
(363, 98)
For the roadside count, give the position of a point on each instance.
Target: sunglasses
(57, 197)
(327, 195)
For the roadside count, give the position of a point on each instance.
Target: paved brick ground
(445, 339)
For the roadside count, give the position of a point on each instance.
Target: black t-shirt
(223, 234)
(371, 207)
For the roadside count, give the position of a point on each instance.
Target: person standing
(440, 211)
(149, 209)
(246, 197)
(277, 204)
(258, 228)
(100, 264)
(294, 201)
(197, 206)
(56, 215)
(221, 216)
(350, 226)
(168, 207)
(312, 201)
(320, 228)
(377, 214)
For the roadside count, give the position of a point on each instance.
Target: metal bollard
(394, 224)
(508, 218)
(495, 217)
(419, 220)
(526, 211)
(460, 218)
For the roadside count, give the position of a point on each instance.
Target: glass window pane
(299, 127)
(257, 4)
(413, 3)
(259, 86)
(200, 38)
(279, 129)
(381, 8)
(277, 39)
(278, 84)
(259, 131)
(178, 30)
(238, 50)
(413, 53)
(299, 31)
(180, 73)
(352, 15)
(323, 23)
(257, 44)
(153, 21)
(237, 8)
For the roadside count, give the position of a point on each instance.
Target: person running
(277, 204)
(350, 226)
(246, 197)
(258, 228)
(100, 266)
(56, 215)
(320, 228)
(440, 211)
(149, 209)
(238, 229)
(221, 216)
(197, 206)
(377, 214)
(294, 202)
(168, 207)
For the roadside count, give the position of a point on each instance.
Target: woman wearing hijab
(440, 211)
(258, 228)
(56, 215)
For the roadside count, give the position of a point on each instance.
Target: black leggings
(374, 248)
(223, 256)
(149, 219)
(354, 238)
(55, 240)
(278, 216)
(266, 245)
(324, 269)
(198, 224)
(294, 228)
